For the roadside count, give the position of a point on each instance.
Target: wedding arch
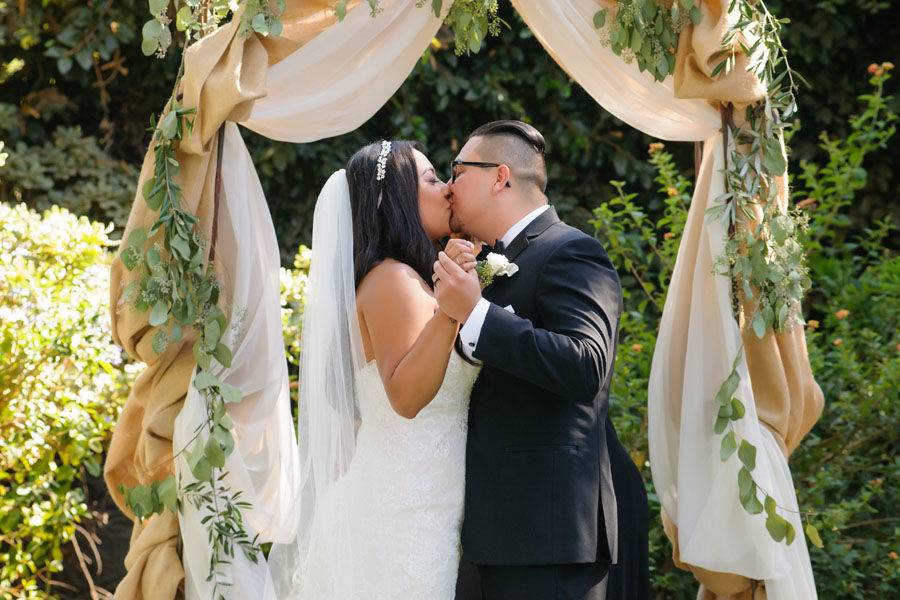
(206, 438)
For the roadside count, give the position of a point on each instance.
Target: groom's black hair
(516, 144)
(394, 228)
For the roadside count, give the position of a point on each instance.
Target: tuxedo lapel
(533, 230)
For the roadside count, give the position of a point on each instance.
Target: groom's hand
(457, 291)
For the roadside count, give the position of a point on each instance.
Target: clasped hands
(456, 285)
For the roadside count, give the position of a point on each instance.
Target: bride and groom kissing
(447, 428)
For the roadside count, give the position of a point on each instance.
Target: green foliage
(69, 170)
(62, 384)
(646, 31)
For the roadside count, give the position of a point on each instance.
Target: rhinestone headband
(382, 159)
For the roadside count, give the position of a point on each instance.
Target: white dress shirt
(471, 330)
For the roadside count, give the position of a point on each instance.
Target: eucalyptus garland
(471, 21)
(762, 256)
(646, 32)
(181, 294)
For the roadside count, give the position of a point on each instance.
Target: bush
(62, 384)
(841, 469)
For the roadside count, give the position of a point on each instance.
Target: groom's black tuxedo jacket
(538, 480)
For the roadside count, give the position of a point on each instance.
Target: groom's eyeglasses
(454, 168)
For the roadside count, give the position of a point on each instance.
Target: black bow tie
(497, 248)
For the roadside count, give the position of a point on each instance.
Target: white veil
(328, 414)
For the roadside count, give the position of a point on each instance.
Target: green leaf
(167, 492)
(259, 24)
(737, 409)
(224, 438)
(759, 325)
(222, 354)
(92, 466)
(180, 245)
(720, 425)
(213, 453)
(729, 386)
(747, 454)
(137, 237)
(340, 9)
(200, 467)
(169, 125)
(600, 18)
(777, 527)
(791, 533)
(158, 6)
(773, 159)
(436, 6)
(752, 505)
(745, 483)
(159, 314)
(725, 411)
(152, 30)
(64, 65)
(813, 534)
(770, 505)
(205, 379)
(212, 333)
(696, 15)
(183, 18)
(729, 445)
(160, 341)
(230, 394)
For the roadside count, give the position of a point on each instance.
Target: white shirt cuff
(471, 330)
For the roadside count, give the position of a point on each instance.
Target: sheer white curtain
(698, 337)
(328, 87)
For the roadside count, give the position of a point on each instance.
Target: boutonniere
(495, 265)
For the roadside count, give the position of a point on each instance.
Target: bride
(383, 392)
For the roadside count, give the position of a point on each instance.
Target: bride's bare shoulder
(391, 280)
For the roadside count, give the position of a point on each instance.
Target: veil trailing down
(328, 415)
(379, 500)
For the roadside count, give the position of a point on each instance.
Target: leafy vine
(763, 256)
(181, 294)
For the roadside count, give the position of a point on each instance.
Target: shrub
(62, 383)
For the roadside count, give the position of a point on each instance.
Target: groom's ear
(502, 181)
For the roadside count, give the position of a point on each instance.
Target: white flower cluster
(495, 265)
(382, 159)
(500, 265)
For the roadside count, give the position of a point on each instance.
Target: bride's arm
(410, 338)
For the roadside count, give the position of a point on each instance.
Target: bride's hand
(463, 253)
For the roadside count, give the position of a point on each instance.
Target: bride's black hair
(394, 228)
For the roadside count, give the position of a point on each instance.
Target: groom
(552, 499)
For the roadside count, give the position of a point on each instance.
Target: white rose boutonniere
(495, 265)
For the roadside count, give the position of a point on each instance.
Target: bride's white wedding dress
(403, 493)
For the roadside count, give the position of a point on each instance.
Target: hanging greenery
(181, 293)
(763, 256)
(646, 31)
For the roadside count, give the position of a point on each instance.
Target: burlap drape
(224, 74)
(788, 399)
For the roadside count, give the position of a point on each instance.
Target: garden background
(76, 95)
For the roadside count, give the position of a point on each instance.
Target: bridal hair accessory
(382, 160)
(382, 163)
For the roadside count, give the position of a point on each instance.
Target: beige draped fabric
(224, 74)
(788, 400)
